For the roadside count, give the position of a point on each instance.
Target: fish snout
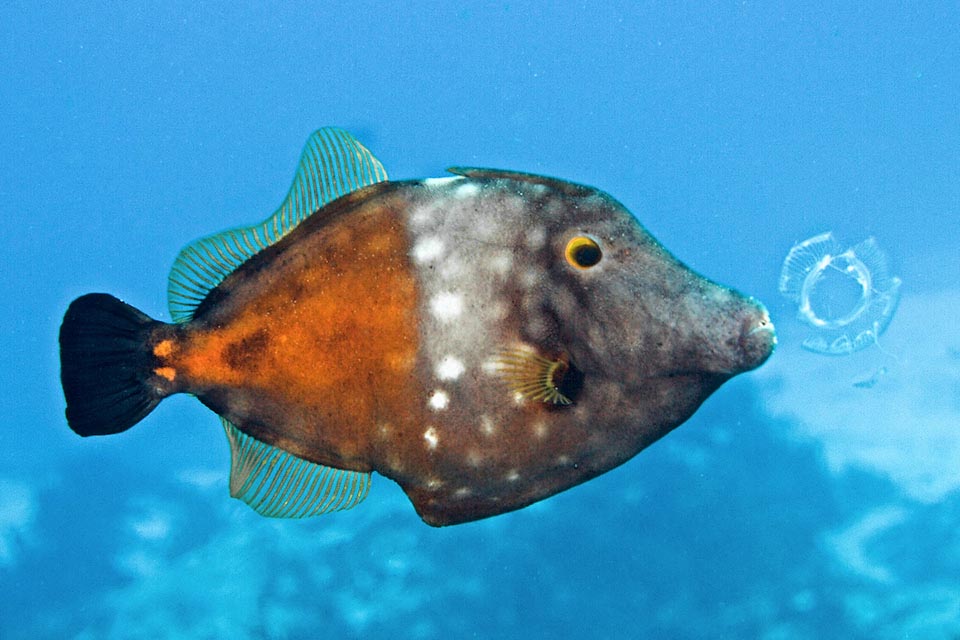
(724, 334)
(757, 338)
(733, 335)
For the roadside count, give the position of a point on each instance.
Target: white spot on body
(530, 278)
(594, 334)
(450, 268)
(462, 492)
(487, 426)
(613, 392)
(439, 401)
(537, 326)
(563, 299)
(449, 368)
(468, 190)
(501, 262)
(536, 237)
(486, 232)
(513, 475)
(491, 367)
(395, 464)
(474, 458)
(423, 215)
(427, 249)
(446, 306)
(540, 430)
(430, 435)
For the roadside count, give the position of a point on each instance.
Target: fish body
(485, 340)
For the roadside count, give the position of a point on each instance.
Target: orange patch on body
(163, 349)
(325, 334)
(166, 372)
(401, 362)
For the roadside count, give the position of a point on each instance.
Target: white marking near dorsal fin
(440, 182)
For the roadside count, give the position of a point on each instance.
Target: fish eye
(583, 252)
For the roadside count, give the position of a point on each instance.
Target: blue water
(796, 503)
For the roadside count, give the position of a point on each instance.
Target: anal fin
(278, 484)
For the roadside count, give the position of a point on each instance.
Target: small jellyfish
(847, 296)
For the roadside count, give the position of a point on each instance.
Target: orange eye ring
(583, 252)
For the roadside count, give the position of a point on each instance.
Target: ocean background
(795, 504)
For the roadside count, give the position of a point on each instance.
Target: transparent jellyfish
(847, 296)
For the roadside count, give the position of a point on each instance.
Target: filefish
(486, 340)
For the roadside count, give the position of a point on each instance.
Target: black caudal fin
(105, 365)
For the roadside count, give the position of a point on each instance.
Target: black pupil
(587, 255)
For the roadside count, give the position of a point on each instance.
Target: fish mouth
(758, 339)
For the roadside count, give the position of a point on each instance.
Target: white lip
(768, 327)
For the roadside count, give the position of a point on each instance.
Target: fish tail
(106, 367)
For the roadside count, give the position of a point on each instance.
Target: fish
(486, 340)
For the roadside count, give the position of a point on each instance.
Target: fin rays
(278, 484)
(531, 376)
(333, 163)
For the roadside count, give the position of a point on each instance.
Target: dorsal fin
(333, 163)
(278, 484)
